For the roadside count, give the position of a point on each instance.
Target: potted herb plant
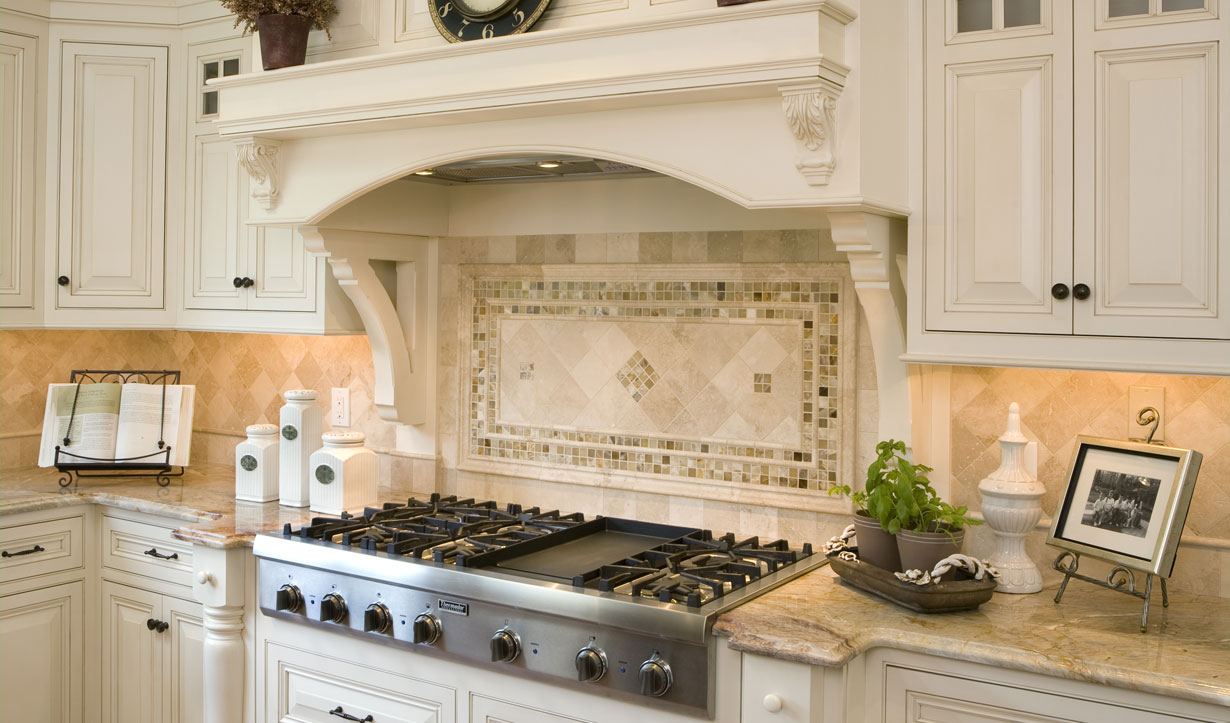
(283, 26)
(900, 520)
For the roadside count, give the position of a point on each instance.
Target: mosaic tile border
(815, 301)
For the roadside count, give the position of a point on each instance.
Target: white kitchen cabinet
(492, 710)
(41, 655)
(112, 176)
(152, 646)
(229, 265)
(1074, 163)
(19, 99)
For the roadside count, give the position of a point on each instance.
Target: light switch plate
(1138, 399)
(339, 414)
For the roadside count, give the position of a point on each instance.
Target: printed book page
(142, 423)
(94, 425)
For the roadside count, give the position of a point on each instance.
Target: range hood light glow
(549, 164)
(424, 172)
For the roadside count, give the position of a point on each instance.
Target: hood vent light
(494, 170)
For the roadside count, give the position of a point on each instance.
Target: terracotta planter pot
(283, 40)
(875, 546)
(921, 550)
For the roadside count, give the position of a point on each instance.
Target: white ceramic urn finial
(1012, 505)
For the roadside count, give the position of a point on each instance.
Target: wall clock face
(461, 20)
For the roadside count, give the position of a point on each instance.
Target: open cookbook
(117, 422)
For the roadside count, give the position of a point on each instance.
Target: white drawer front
(146, 550)
(310, 687)
(40, 548)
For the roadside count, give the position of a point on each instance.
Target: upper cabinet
(112, 176)
(19, 99)
(1072, 154)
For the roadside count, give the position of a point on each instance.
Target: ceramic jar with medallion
(299, 422)
(343, 474)
(256, 464)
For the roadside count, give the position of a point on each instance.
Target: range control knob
(289, 598)
(591, 664)
(376, 618)
(656, 677)
(505, 646)
(426, 629)
(332, 608)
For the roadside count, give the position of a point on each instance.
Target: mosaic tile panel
(708, 379)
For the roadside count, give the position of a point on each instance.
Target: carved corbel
(259, 157)
(811, 112)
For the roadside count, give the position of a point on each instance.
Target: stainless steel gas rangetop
(615, 604)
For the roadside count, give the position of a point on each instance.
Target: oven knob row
(505, 646)
(591, 664)
(426, 629)
(656, 677)
(332, 608)
(376, 618)
(289, 599)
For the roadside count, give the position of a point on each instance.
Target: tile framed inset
(715, 373)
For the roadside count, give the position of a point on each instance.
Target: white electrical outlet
(339, 415)
(1138, 399)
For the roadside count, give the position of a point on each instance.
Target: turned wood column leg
(220, 586)
(223, 664)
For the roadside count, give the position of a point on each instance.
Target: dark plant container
(875, 545)
(921, 550)
(283, 40)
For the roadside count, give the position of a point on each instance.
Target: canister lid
(262, 430)
(343, 438)
(304, 395)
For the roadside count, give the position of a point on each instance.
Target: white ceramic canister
(343, 474)
(300, 422)
(256, 464)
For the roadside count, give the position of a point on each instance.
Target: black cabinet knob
(247, 282)
(157, 626)
(62, 281)
(237, 282)
(1081, 292)
(1060, 291)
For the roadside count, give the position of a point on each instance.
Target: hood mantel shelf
(781, 104)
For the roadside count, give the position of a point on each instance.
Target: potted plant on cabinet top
(900, 520)
(283, 26)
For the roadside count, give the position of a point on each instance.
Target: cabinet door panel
(998, 200)
(132, 677)
(112, 175)
(18, 102)
(185, 641)
(40, 655)
(218, 230)
(1152, 258)
(491, 710)
(284, 272)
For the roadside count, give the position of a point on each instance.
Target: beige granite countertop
(204, 498)
(1093, 635)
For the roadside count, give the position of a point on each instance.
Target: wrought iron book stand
(157, 464)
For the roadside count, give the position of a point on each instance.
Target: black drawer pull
(157, 625)
(153, 552)
(343, 714)
(32, 550)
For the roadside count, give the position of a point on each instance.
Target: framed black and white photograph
(1126, 502)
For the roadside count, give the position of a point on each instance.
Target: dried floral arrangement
(247, 11)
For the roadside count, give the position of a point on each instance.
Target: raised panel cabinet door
(185, 646)
(284, 273)
(112, 192)
(491, 710)
(18, 113)
(216, 247)
(133, 682)
(997, 192)
(1152, 198)
(41, 654)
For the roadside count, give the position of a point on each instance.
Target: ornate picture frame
(1126, 502)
